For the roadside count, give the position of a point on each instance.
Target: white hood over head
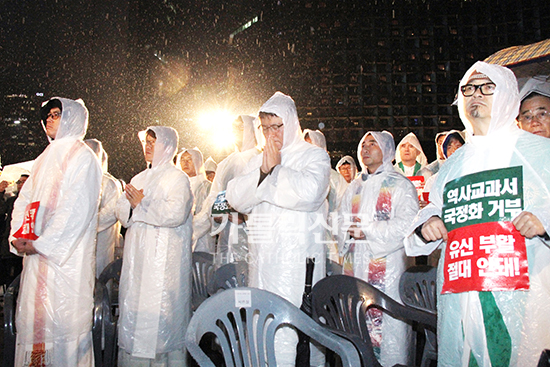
(412, 140)
(317, 138)
(387, 145)
(74, 119)
(166, 144)
(283, 106)
(505, 100)
(196, 157)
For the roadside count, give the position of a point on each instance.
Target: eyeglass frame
(54, 115)
(545, 116)
(476, 87)
(274, 128)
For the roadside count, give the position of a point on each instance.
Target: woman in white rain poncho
(108, 229)
(409, 156)
(191, 162)
(54, 308)
(155, 283)
(385, 203)
(285, 211)
(515, 330)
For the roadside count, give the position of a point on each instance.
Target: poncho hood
(101, 154)
(505, 99)
(412, 140)
(166, 144)
(387, 145)
(196, 157)
(283, 106)
(74, 119)
(317, 138)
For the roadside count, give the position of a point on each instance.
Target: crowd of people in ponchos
(273, 203)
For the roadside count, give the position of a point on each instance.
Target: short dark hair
(151, 133)
(263, 115)
(25, 175)
(52, 103)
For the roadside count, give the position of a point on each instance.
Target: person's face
(453, 145)
(534, 116)
(210, 175)
(187, 165)
(478, 107)
(371, 154)
(440, 141)
(408, 153)
(273, 128)
(52, 122)
(345, 171)
(149, 148)
(21, 182)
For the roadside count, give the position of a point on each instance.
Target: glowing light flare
(217, 125)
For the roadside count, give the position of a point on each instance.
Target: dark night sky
(88, 49)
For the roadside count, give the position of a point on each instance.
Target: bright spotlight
(218, 126)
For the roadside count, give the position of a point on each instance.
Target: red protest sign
(27, 228)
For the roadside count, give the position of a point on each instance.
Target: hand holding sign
(434, 229)
(529, 225)
(24, 246)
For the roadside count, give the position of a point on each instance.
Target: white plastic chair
(229, 316)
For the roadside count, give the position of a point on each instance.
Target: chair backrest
(106, 315)
(341, 302)
(228, 276)
(203, 269)
(417, 288)
(245, 320)
(10, 300)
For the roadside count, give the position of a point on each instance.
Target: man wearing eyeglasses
(489, 212)
(534, 112)
(54, 227)
(283, 190)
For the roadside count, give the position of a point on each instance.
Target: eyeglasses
(541, 116)
(487, 89)
(273, 128)
(53, 115)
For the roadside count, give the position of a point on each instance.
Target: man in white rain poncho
(210, 167)
(155, 283)
(232, 240)
(337, 187)
(337, 182)
(375, 213)
(534, 111)
(108, 229)
(494, 270)
(283, 190)
(347, 168)
(191, 162)
(54, 308)
(409, 157)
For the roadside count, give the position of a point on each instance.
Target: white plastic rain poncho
(337, 183)
(54, 308)
(108, 229)
(421, 160)
(232, 238)
(432, 168)
(200, 187)
(498, 328)
(538, 84)
(210, 165)
(285, 214)
(155, 283)
(386, 202)
(348, 159)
